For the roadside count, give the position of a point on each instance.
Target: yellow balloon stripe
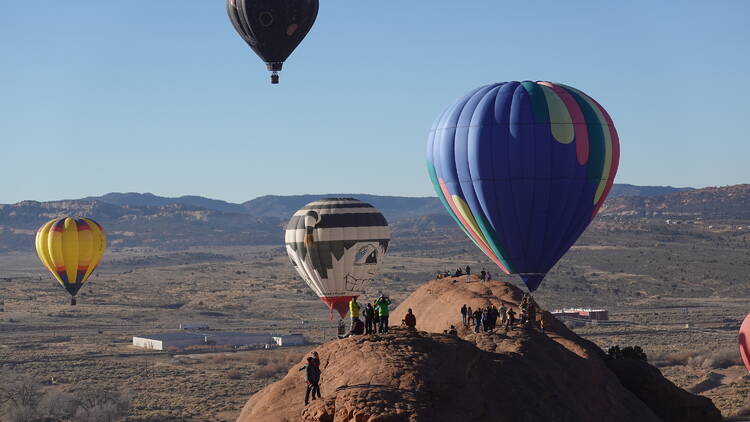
(463, 208)
(98, 246)
(561, 123)
(54, 242)
(41, 245)
(70, 249)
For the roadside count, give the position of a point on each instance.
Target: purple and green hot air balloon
(523, 168)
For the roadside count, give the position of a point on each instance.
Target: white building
(163, 341)
(181, 340)
(289, 340)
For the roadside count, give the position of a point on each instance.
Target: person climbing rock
(313, 380)
(316, 359)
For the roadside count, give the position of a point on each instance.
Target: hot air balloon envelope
(337, 246)
(273, 28)
(523, 168)
(71, 248)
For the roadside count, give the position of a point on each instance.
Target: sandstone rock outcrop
(519, 375)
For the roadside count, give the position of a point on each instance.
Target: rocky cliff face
(726, 202)
(519, 375)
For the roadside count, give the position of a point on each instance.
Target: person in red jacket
(409, 320)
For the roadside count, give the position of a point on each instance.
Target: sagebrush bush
(22, 400)
(717, 360)
(269, 370)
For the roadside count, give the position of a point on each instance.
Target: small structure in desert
(581, 313)
(193, 326)
(181, 340)
(289, 340)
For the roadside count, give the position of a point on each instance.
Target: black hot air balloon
(273, 28)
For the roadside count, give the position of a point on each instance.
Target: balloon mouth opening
(338, 303)
(532, 281)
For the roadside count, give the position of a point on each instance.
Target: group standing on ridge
(484, 275)
(375, 317)
(485, 319)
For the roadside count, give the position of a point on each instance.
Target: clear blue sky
(164, 97)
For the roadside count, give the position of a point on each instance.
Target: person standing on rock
(502, 313)
(511, 319)
(493, 317)
(486, 319)
(482, 274)
(313, 380)
(369, 314)
(477, 320)
(469, 316)
(464, 317)
(531, 310)
(316, 359)
(382, 307)
(375, 317)
(467, 270)
(354, 312)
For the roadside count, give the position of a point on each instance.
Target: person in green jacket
(381, 306)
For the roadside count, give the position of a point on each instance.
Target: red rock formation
(521, 375)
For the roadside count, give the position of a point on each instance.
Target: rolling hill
(168, 223)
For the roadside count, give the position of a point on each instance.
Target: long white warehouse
(183, 339)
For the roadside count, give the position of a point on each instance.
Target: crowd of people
(484, 275)
(483, 319)
(375, 317)
(375, 321)
(487, 318)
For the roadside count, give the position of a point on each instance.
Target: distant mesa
(523, 375)
(625, 189)
(147, 220)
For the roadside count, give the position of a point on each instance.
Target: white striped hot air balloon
(337, 246)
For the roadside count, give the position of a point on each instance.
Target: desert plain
(679, 291)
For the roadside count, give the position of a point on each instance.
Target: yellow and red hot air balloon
(71, 248)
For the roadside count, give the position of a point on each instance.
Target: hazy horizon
(207, 196)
